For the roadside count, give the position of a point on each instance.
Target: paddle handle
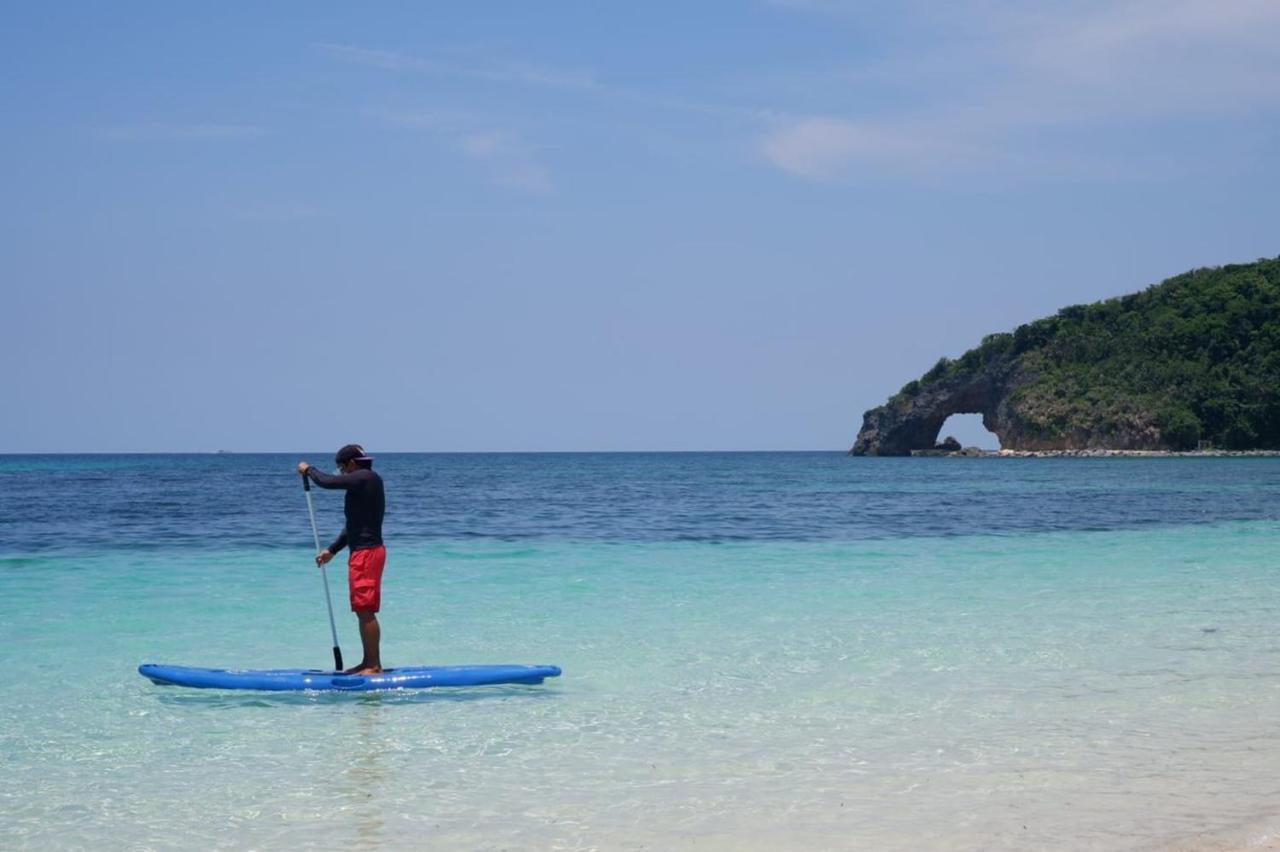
(324, 578)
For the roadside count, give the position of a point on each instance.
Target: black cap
(350, 453)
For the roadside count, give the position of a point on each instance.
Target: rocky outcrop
(912, 421)
(1189, 362)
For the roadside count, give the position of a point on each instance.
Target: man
(364, 506)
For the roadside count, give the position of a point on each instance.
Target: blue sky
(584, 226)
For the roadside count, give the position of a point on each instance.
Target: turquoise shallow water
(1111, 688)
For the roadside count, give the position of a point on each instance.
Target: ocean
(760, 651)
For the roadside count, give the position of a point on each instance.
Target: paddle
(324, 579)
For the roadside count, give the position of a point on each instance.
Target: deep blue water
(90, 502)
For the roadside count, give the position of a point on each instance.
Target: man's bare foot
(364, 669)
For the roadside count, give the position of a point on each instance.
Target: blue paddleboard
(417, 677)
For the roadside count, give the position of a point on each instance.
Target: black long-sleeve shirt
(364, 506)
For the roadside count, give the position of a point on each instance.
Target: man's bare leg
(370, 638)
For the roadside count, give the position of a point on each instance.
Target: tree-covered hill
(1194, 358)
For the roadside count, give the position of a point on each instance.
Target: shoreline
(975, 452)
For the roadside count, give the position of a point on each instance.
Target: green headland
(1191, 362)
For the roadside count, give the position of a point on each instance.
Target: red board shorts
(364, 576)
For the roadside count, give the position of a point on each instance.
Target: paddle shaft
(324, 578)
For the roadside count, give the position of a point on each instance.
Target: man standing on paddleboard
(364, 506)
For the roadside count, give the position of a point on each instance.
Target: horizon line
(392, 452)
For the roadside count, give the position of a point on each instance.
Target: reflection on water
(364, 779)
(217, 699)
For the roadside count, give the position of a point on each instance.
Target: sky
(589, 226)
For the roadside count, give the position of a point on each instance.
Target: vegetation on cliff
(1195, 358)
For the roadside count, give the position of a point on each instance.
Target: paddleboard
(417, 677)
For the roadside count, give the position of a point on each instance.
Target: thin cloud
(440, 121)
(505, 158)
(517, 73)
(982, 78)
(384, 59)
(520, 168)
(1175, 57)
(582, 82)
(161, 132)
(822, 148)
(508, 161)
(1015, 70)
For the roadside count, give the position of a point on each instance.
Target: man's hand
(323, 557)
(303, 467)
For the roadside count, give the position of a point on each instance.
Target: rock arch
(967, 430)
(912, 422)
